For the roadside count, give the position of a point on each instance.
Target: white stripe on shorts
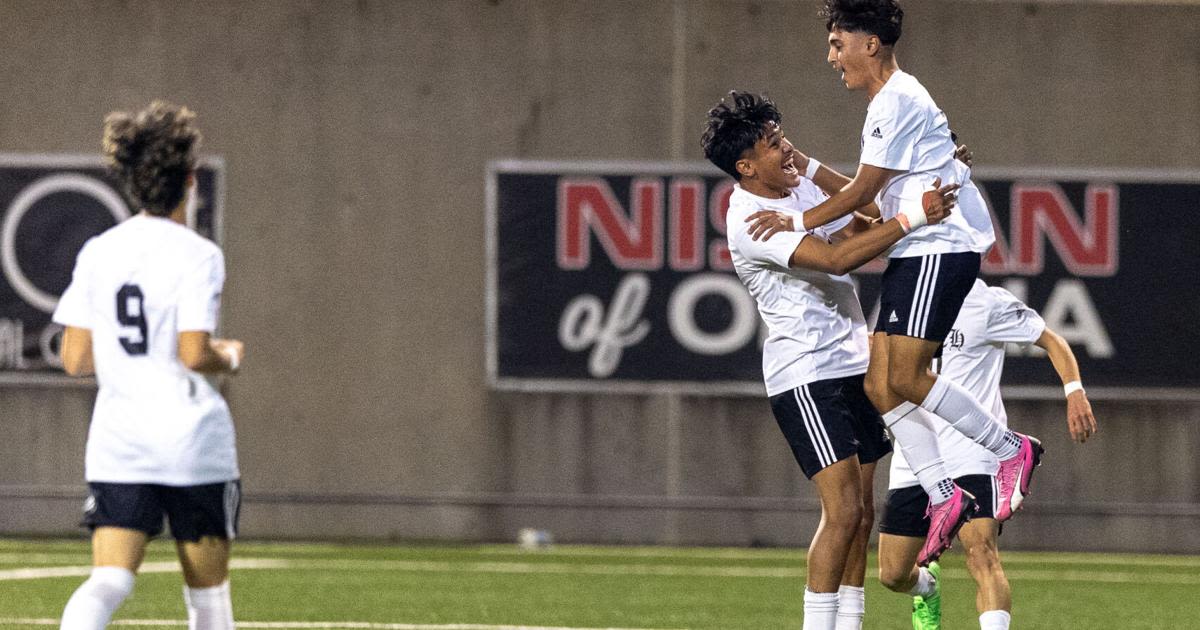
(922, 304)
(816, 430)
(230, 496)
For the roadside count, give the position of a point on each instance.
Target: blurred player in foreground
(816, 354)
(139, 313)
(972, 356)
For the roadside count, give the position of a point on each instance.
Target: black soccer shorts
(921, 296)
(827, 421)
(193, 511)
(904, 513)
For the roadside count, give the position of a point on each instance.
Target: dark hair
(151, 153)
(734, 129)
(881, 18)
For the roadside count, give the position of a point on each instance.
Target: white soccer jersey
(905, 131)
(815, 325)
(973, 356)
(136, 286)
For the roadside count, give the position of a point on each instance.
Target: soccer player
(139, 313)
(973, 356)
(906, 144)
(815, 355)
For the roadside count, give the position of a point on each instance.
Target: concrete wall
(356, 134)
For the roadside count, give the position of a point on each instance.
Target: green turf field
(486, 587)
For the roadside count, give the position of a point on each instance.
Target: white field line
(147, 567)
(422, 566)
(313, 624)
(44, 558)
(1101, 559)
(715, 553)
(553, 568)
(798, 555)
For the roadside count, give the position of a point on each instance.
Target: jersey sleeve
(1009, 320)
(776, 251)
(891, 133)
(73, 306)
(200, 295)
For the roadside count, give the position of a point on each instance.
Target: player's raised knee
(906, 385)
(895, 578)
(878, 392)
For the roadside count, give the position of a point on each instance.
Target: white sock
(925, 585)
(994, 620)
(820, 610)
(209, 608)
(95, 601)
(917, 438)
(852, 607)
(954, 403)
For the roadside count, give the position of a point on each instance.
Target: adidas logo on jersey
(893, 319)
(876, 134)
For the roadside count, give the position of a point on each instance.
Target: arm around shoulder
(849, 254)
(859, 192)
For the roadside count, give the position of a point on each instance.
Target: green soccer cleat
(927, 611)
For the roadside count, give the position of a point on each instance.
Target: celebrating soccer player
(139, 313)
(972, 356)
(815, 356)
(906, 145)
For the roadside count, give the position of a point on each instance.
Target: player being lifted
(139, 313)
(815, 355)
(906, 145)
(972, 356)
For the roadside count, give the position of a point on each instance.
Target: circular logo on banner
(23, 203)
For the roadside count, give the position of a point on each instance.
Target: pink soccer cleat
(1014, 476)
(945, 519)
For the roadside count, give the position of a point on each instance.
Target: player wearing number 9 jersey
(140, 311)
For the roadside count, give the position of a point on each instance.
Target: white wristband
(1072, 387)
(231, 354)
(916, 217)
(811, 171)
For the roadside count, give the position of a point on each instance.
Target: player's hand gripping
(964, 155)
(938, 202)
(766, 223)
(1080, 421)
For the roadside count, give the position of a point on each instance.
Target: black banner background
(1141, 303)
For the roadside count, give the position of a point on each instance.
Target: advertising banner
(49, 206)
(607, 276)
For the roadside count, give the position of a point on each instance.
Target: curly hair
(881, 18)
(152, 153)
(734, 129)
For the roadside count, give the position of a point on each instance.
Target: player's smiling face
(770, 169)
(849, 54)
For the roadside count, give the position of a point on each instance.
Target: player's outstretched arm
(852, 253)
(859, 192)
(76, 351)
(200, 352)
(827, 179)
(832, 182)
(1080, 421)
